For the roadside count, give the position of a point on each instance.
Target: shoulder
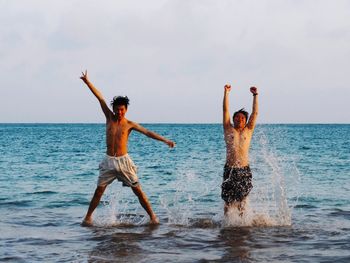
(131, 123)
(134, 125)
(228, 127)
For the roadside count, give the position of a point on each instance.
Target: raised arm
(152, 135)
(97, 93)
(253, 116)
(226, 111)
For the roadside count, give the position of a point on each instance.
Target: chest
(237, 138)
(117, 130)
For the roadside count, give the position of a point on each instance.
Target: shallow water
(299, 207)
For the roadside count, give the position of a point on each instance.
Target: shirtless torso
(237, 146)
(117, 135)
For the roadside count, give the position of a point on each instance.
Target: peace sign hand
(84, 76)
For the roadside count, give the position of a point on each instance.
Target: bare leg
(239, 205)
(93, 204)
(145, 203)
(229, 206)
(226, 208)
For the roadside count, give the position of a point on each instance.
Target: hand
(170, 144)
(254, 90)
(84, 76)
(227, 87)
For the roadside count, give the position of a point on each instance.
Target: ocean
(298, 211)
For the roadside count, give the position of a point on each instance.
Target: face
(119, 111)
(239, 120)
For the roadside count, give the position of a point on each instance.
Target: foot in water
(86, 222)
(154, 221)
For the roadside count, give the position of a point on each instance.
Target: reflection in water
(172, 244)
(236, 241)
(122, 244)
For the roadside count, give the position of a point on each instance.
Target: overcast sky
(173, 58)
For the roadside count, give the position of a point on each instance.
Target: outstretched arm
(152, 135)
(226, 112)
(253, 116)
(97, 93)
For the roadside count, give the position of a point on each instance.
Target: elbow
(148, 134)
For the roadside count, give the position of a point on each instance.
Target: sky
(172, 58)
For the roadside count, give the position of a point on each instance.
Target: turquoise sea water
(299, 207)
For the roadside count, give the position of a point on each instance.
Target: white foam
(249, 217)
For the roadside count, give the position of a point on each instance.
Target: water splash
(249, 217)
(192, 197)
(118, 209)
(268, 200)
(178, 206)
(272, 195)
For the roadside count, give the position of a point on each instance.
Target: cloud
(173, 57)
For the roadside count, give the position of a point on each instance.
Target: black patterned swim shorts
(237, 183)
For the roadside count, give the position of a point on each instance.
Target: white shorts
(121, 168)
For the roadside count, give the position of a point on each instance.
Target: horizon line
(185, 123)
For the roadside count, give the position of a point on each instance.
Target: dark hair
(244, 112)
(120, 100)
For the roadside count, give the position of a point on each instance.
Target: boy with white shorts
(117, 164)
